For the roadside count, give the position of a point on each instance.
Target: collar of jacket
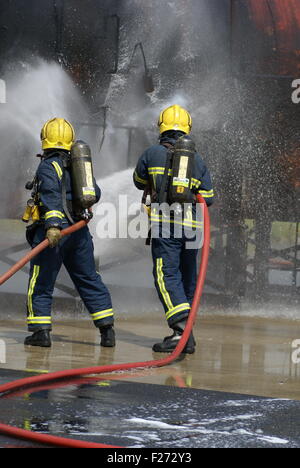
(55, 153)
(64, 156)
(171, 137)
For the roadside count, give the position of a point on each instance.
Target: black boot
(170, 342)
(39, 338)
(108, 339)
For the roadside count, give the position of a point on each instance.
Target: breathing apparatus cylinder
(83, 182)
(182, 171)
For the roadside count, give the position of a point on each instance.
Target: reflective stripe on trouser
(35, 321)
(76, 253)
(175, 275)
(103, 314)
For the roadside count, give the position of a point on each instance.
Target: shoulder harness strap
(162, 197)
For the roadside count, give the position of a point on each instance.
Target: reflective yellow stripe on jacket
(154, 171)
(58, 169)
(139, 179)
(54, 214)
(207, 193)
(187, 221)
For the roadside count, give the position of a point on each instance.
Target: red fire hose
(67, 374)
(34, 252)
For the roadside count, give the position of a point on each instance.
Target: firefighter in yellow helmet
(174, 263)
(54, 195)
(175, 119)
(57, 134)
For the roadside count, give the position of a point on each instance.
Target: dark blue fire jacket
(150, 171)
(49, 176)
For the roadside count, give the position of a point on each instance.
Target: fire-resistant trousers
(76, 252)
(175, 275)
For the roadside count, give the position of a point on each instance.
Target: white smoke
(35, 94)
(41, 92)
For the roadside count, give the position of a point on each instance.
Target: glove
(53, 235)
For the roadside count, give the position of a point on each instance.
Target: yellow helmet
(175, 118)
(57, 133)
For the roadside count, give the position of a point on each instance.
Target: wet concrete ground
(240, 388)
(137, 415)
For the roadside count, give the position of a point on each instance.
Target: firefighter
(174, 263)
(53, 196)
